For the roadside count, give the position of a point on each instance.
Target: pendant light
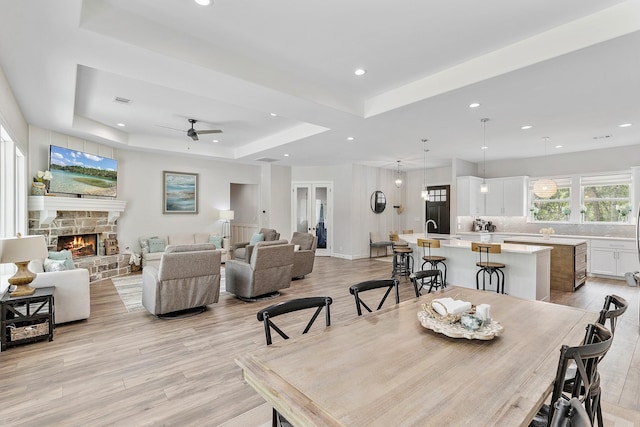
(545, 188)
(398, 179)
(425, 191)
(484, 187)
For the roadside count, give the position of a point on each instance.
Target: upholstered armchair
(242, 250)
(268, 270)
(304, 254)
(188, 277)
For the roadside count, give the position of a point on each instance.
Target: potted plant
(41, 183)
(566, 211)
(534, 211)
(623, 212)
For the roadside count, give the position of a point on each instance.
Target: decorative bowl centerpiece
(458, 325)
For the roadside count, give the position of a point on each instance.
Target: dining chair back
(369, 285)
(614, 307)
(585, 385)
(267, 314)
(422, 278)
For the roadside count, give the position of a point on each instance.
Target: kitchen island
(568, 260)
(527, 269)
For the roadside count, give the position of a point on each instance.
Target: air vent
(602, 137)
(266, 160)
(122, 100)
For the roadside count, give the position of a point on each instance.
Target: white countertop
(465, 244)
(568, 236)
(551, 241)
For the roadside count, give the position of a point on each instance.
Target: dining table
(385, 368)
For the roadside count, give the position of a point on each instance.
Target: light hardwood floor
(120, 368)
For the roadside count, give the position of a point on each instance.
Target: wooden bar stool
(433, 260)
(488, 267)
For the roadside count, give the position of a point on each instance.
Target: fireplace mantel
(48, 206)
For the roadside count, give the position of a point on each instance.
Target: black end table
(27, 318)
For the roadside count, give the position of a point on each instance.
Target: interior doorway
(312, 206)
(438, 208)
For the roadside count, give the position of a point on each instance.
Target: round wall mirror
(378, 201)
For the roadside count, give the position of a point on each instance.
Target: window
(606, 198)
(556, 208)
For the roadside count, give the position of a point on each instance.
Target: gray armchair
(188, 277)
(268, 270)
(242, 250)
(304, 257)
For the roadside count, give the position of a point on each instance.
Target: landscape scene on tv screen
(77, 172)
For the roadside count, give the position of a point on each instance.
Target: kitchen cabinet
(613, 257)
(568, 260)
(506, 197)
(470, 202)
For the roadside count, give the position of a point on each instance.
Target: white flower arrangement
(583, 209)
(623, 210)
(549, 230)
(566, 210)
(43, 176)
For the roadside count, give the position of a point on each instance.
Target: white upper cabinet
(469, 199)
(506, 197)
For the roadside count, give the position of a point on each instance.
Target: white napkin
(444, 306)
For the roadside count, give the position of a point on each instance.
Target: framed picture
(180, 193)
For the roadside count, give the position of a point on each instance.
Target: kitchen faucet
(426, 226)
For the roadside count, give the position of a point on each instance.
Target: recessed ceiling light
(121, 125)
(624, 125)
(273, 114)
(484, 147)
(360, 72)
(525, 127)
(474, 105)
(215, 140)
(350, 138)
(558, 146)
(203, 2)
(286, 155)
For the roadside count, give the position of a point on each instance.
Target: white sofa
(72, 294)
(153, 258)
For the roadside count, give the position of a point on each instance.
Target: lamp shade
(22, 249)
(227, 215)
(545, 188)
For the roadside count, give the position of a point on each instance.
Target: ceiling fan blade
(209, 131)
(167, 127)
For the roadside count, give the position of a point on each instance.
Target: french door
(312, 205)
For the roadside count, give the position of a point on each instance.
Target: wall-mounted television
(77, 172)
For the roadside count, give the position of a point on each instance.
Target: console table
(27, 318)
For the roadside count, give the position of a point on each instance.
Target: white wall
(280, 201)
(11, 116)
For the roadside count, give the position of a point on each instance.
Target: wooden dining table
(386, 369)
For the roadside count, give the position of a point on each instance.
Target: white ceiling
(570, 69)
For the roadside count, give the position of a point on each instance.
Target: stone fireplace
(80, 225)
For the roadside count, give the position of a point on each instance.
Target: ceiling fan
(192, 132)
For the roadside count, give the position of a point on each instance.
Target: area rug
(130, 290)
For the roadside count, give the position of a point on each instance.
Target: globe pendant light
(484, 187)
(545, 188)
(425, 191)
(398, 179)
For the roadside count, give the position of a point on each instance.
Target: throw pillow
(54, 265)
(144, 245)
(216, 241)
(256, 238)
(65, 256)
(156, 244)
(296, 248)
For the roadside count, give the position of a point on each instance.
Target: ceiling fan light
(545, 188)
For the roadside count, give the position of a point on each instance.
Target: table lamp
(227, 216)
(20, 250)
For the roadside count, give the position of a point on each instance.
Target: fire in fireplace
(80, 245)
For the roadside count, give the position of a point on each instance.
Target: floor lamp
(227, 216)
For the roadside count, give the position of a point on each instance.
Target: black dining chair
(570, 413)
(614, 307)
(369, 285)
(422, 278)
(586, 379)
(267, 314)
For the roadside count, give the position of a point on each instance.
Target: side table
(27, 318)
